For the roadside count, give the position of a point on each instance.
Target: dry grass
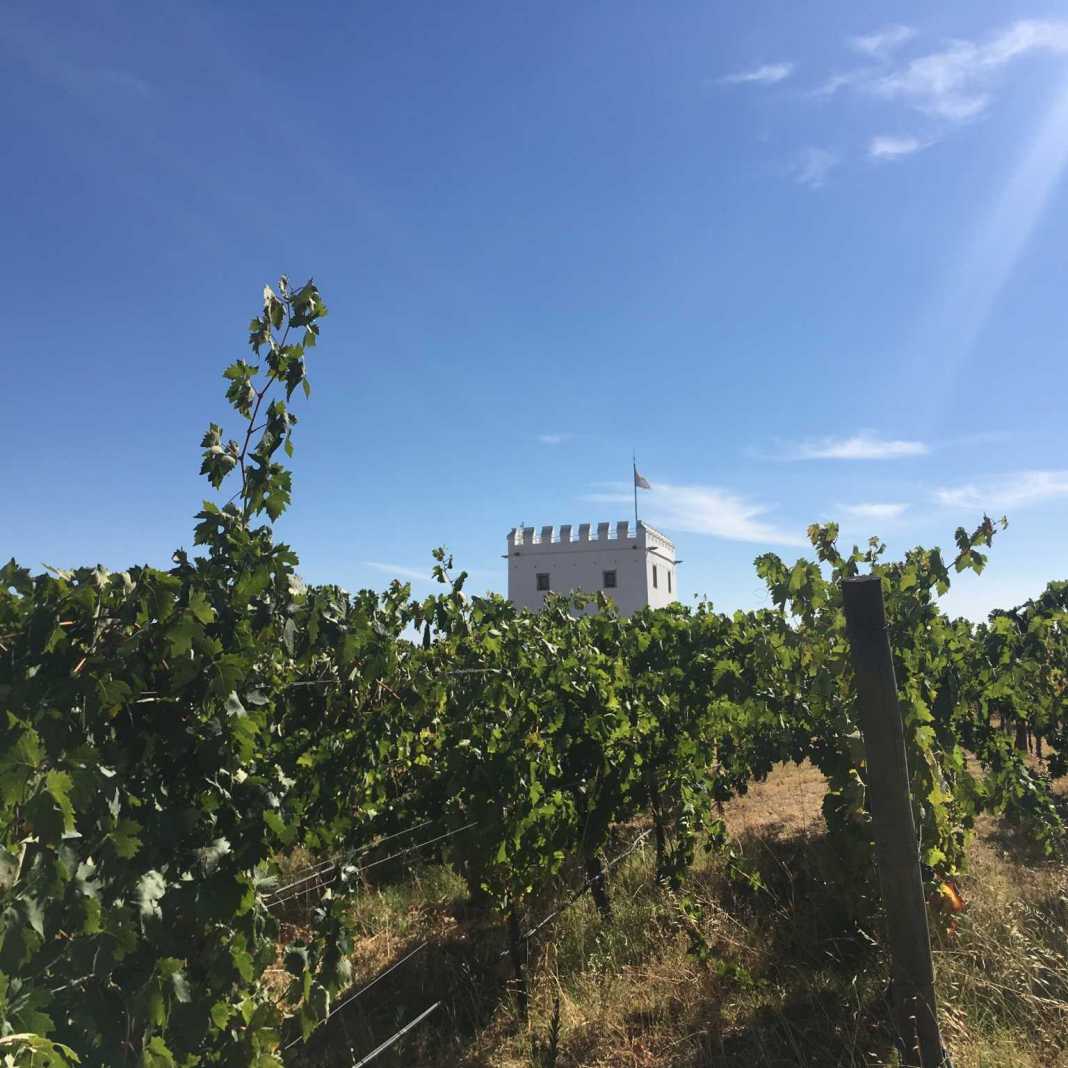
(792, 979)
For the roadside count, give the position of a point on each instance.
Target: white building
(635, 568)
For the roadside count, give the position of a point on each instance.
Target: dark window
(609, 580)
(655, 582)
(543, 580)
(669, 582)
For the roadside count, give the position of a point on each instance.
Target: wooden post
(597, 877)
(517, 950)
(896, 846)
(658, 824)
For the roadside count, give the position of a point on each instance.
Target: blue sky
(807, 260)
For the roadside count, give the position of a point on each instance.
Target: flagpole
(634, 479)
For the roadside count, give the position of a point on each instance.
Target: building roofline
(617, 534)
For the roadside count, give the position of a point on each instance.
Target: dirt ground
(787, 802)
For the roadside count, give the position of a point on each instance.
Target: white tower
(634, 569)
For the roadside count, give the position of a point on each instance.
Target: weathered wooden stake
(517, 950)
(896, 846)
(597, 877)
(658, 824)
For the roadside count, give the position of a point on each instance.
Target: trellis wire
(399, 1034)
(317, 869)
(373, 864)
(582, 889)
(363, 990)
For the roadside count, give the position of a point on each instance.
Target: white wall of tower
(576, 558)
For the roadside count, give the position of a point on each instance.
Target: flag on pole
(640, 481)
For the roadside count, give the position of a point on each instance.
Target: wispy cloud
(400, 571)
(813, 165)
(1003, 492)
(874, 511)
(554, 439)
(423, 574)
(953, 83)
(878, 48)
(705, 510)
(884, 41)
(842, 80)
(768, 74)
(863, 446)
(950, 84)
(956, 83)
(891, 148)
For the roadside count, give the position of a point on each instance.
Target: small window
(609, 580)
(543, 580)
(669, 581)
(655, 581)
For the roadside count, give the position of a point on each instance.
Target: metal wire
(374, 864)
(408, 956)
(316, 869)
(367, 848)
(399, 1034)
(581, 890)
(363, 990)
(420, 845)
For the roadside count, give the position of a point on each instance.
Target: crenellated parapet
(589, 536)
(566, 534)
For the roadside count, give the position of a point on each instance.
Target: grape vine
(167, 736)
